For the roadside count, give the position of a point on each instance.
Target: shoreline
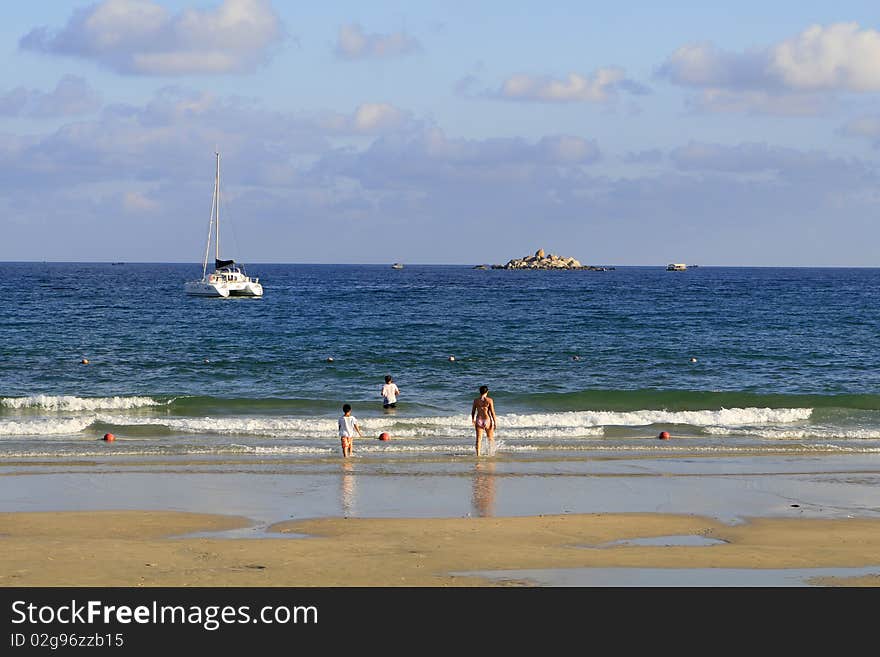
(444, 522)
(273, 490)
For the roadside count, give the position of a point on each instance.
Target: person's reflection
(484, 488)
(348, 488)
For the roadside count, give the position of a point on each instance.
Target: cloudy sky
(625, 133)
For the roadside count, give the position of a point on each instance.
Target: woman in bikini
(483, 418)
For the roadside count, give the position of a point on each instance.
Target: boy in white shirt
(348, 426)
(390, 392)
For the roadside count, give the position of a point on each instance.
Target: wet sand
(151, 548)
(450, 522)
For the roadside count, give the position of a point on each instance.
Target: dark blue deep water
(591, 360)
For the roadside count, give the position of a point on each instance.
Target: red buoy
(384, 436)
(664, 435)
(109, 437)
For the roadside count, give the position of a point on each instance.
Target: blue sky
(626, 133)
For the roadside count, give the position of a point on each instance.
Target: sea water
(579, 363)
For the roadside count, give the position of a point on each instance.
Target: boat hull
(249, 289)
(206, 289)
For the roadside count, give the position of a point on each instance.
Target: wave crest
(70, 403)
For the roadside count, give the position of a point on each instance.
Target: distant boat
(397, 265)
(481, 267)
(676, 266)
(228, 279)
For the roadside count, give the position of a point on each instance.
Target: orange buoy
(384, 436)
(84, 361)
(664, 435)
(109, 437)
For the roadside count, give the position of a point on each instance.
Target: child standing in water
(348, 426)
(390, 391)
(483, 418)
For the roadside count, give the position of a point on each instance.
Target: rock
(542, 260)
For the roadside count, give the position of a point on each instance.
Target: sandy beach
(766, 521)
(143, 548)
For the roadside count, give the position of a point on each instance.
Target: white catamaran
(228, 278)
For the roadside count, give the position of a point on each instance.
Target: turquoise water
(577, 362)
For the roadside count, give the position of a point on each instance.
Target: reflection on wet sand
(484, 488)
(347, 493)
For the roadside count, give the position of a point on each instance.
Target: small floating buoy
(330, 359)
(451, 359)
(109, 437)
(664, 435)
(384, 436)
(575, 357)
(693, 360)
(84, 361)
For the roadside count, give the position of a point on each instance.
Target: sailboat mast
(217, 194)
(210, 229)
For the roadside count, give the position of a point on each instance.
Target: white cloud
(367, 119)
(761, 161)
(170, 137)
(142, 37)
(702, 65)
(839, 57)
(426, 158)
(599, 87)
(104, 177)
(793, 77)
(353, 43)
(724, 101)
(72, 96)
(375, 116)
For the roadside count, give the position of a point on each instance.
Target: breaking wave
(70, 403)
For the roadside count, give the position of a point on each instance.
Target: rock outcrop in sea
(547, 261)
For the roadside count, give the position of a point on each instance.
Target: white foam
(120, 449)
(571, 425)
(273, 427)
(69, 403)
(724, 416)
(820, 432)
(44, 427)
(542, 432)
(290, 449)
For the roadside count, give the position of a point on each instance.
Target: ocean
(580, 363)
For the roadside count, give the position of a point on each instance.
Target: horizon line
(424, 264)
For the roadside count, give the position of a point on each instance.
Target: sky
(617, 133)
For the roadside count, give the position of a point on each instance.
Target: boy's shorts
(345, 440)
